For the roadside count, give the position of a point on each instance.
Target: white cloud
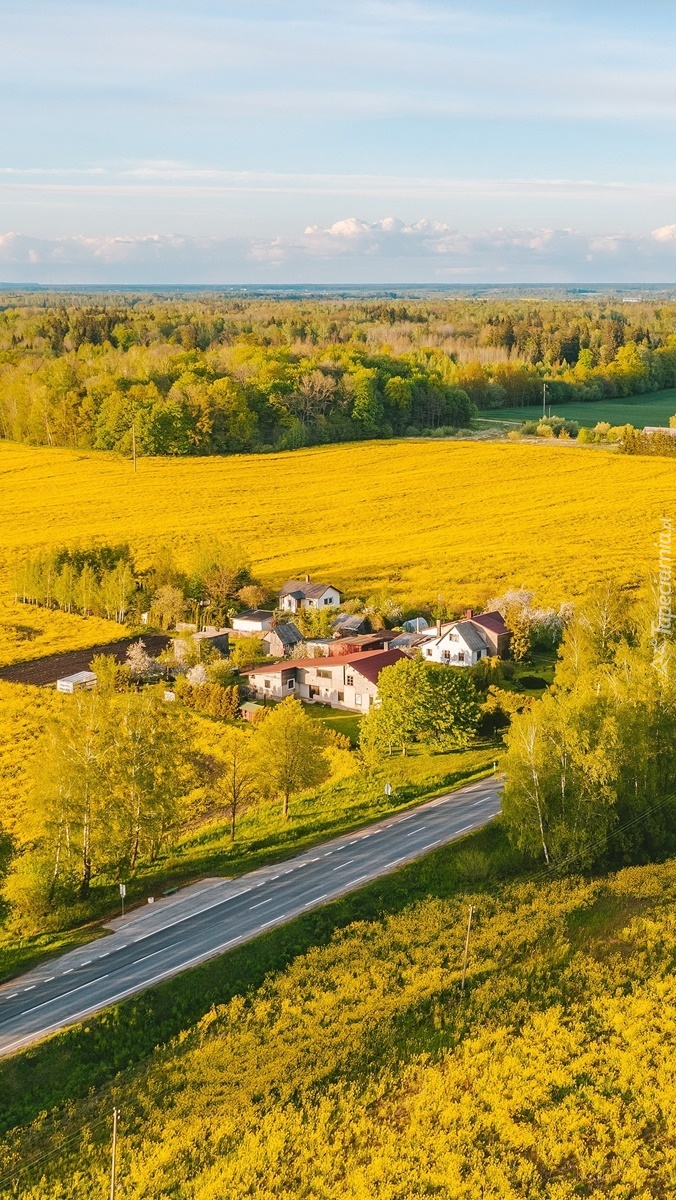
(349, 250)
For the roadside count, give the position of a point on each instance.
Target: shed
(77, 682)
(249, 709)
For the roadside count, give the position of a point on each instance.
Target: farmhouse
(296, 595)
(281, 640)
(349, 681)
(463, 643)
(253, 622)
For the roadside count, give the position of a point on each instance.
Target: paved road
(160, 940)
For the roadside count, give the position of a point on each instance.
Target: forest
(218, 374)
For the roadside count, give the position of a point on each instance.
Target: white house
(463, 643)
(254, 622)
(298, 594)
(349, 681)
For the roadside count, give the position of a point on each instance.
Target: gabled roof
(287, 633)
(369, 663)
(254, 614)
(350, 623)
(301, 590)
(470, 636)
(493, 621)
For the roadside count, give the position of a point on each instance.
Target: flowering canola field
(459, 519)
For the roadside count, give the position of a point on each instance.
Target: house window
(323, 674)
(461, 656)
(327, 599)
(447, 656)
(267, 683)
(357, 699)
(341, 697)
(291, 683)
(349, 679)
(314, 691)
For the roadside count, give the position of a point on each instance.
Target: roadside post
(388, 789)
(123, 892)
(464, 959)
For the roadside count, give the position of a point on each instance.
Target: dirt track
(47, 670)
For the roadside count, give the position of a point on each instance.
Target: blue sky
(366, 142)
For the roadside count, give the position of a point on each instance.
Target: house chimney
(469, 614)
(307, 578)
(438, 626)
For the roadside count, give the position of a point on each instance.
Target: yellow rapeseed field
(460, 519)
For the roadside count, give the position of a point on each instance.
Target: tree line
(590, 769)
(226, 374)
(104, 580)
(117, 777)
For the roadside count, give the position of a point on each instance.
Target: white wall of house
(248, 626)
(330, 682)
(452, 650)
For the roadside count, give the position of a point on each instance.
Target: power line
(11, 1176)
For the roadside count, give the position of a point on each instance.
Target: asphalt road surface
(159, 940)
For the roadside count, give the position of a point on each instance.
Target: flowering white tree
(197, 675)
(141, 666)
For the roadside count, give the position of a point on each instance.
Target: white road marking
(30, 987)
(261, 902)
(341, 865)
(63, 995)
(206, 954)
(160, 951)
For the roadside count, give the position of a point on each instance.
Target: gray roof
(350, 623)
(255, 614)
(287, 633)
(299, 589)
(470, 635)
(404, 640)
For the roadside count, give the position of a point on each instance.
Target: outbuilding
(80, 681)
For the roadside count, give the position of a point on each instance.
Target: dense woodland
(214, 374)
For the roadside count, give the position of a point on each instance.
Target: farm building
(297, 594)
(281, 640)
(254, 622)
(349, 681)
(80, 681)
(463, 643)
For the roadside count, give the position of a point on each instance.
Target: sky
(362, 141)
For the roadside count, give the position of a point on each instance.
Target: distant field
(419, 519)
(654, 409)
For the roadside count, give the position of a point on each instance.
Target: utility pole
(544, 402)
(113, 1160)
(464, 960)
(133, 444)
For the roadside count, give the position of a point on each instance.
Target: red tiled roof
(491, 620)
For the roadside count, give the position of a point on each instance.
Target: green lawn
(653, 409)
(333, 718)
